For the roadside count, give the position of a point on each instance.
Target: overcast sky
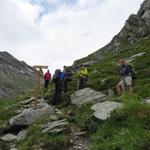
(57, 32)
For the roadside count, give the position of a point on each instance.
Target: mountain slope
(15, 76)
(136, 27)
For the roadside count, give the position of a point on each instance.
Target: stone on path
(28, 116)
(103, 110)
(21, 135)
(55, 127)
(87, 95)
(9, 137)
(147, 101)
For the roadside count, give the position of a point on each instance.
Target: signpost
(39, 73)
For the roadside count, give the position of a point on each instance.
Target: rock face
(136, 27)
(28, 116)
(103, 110)
(87, 95)
(15, 76)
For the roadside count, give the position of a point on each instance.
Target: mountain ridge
(16, 76)
(136, 27)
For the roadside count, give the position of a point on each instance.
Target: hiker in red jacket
(47, 78)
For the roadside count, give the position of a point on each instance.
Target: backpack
(133, 72)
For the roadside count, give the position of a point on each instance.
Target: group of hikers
(61, 79)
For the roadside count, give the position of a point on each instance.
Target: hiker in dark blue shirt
(126, 77)
(66, 76)
(57, 79)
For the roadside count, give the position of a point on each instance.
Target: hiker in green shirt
(82, 77)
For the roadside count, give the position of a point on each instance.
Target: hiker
(66, 76)
(82, 77)
(126, 77)
(57, 79)
(47, 78)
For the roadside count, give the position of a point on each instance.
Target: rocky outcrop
(87, 95)
(103, 110)
(136, 27)
(133, 57)
(16, 76)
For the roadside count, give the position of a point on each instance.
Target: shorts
(126, 81)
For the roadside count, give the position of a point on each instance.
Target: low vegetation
(126, 129)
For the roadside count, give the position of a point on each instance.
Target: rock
(80, 133)
(59, 113)
(57, 130)
(9, 137)
(25, 102)
(21, 135)
(87, 95)
(93, 72)
(19, 111)
(13, 147)
(147, 101)
(128, 60)
(53, 117)
(41, 103)
(28, 116)
(110, 93)
(9, 107)
(55, 127)
(103, 110)
(89, 63)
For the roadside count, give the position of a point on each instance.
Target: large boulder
(28, 116)
(103, 110)
(87, 95)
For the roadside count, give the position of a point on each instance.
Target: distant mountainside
(15, 76)
(136, 27)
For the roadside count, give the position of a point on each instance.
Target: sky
(58, 32)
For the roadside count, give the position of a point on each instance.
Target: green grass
(36, 139)
(9, 106)
(84, 119)
(127, 129)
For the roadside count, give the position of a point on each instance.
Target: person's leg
(59, 89)
(82, 83)
(130, 88)
(65, 85)
(119, 87)
(46, 84)
(55, 96)
(128, 81)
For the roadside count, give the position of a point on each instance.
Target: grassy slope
(127, 129)
(107, 77)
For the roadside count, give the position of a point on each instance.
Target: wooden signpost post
(39, 73)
